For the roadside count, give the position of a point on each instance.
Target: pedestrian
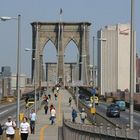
(26, 99)
(57, 89)
(1, 132)
(32, 121)
(70, 100)
(74, 115)
(83, 115)
(10, 128)
(53, 116)
(24, 129)
(49, 95)
(55, 95)
(53, 88)
(46, 108)
(46, 98)
(51, 107)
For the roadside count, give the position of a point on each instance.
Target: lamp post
(132, 58)
(94, 67)
(35, 87)
(84, 76)
(18, 63)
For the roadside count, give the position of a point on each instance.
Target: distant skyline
(99, 12)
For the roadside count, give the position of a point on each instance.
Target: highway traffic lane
(124, 117)
(10, 110)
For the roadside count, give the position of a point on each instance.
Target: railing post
(108, 130)
(116, 130)
(139, 134)
(127, 130)
(101, 130)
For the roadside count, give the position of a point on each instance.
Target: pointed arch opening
(70, 63)
(50, 62)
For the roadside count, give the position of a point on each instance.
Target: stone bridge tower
(60, 34)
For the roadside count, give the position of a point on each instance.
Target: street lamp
(84, 76)
(35, 60)
(132, 59)
(94, 67)
(18, 63)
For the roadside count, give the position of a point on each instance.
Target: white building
(22, 81)
(114, 58)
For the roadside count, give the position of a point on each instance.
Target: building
(6, 71)
(138, 68)
(114, 58)
(22, 82)
(6, 80)
(137, 73)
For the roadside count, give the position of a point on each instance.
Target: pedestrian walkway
(44, 130)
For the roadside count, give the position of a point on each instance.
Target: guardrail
(106, 130)
(74, 131)
(98, 117)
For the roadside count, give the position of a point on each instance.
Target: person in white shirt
(83, 115)
(57, 89)
(53, 115)
(32, 121)
(10, 128)
(24, 129)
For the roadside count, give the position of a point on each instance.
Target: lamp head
(27, 49)
(7, 18)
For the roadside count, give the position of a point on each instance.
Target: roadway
(123, 120)
(46, 131)
(10, 110)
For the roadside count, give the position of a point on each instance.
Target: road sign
(93, 110)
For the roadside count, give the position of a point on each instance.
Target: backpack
(1, 130)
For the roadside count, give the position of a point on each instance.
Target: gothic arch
(60, 34)
(69, 40)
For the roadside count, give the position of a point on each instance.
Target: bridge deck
(44, 130)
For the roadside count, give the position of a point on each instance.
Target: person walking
(55, 96)
(49, 96)
(57, 89)
(46, 98)
(51, 107)
(74, 115)
(32, 121)
(10, 128)
(53, 88)
(1, 132)
(53, 116)
(83, 115)
(70, 100)
(24, 129)
(46, 108)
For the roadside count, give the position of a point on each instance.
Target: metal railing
(77, 131)
(100, 131)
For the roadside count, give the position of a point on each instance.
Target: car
(121, 104)
(88, 103)
(30, 102)
(81, 96)
(113, 110)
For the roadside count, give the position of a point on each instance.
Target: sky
(98, 12)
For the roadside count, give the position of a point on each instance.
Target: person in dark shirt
(46, 108)
(74, 115)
